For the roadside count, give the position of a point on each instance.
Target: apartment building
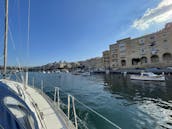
(152, 50)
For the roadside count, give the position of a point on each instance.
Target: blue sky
(74, 30)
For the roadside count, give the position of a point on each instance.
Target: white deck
(50, 119)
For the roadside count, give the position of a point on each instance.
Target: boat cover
(7, 118)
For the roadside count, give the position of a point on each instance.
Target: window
(152, 44)
(22, 114)
(152, 37)
(114, 60)
(122, 49)
(164, 34)
(154, 59)
(153, 50)
(142, 51)
(122, 53)
(121, 45)
(165, 40)
(141, 41)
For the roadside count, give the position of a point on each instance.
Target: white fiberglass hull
(86, 74)
(144, 78)
(46, 112)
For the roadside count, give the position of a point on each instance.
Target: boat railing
(58, 111)
(70, 112)
(67, 109)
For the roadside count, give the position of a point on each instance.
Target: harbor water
(129, 104)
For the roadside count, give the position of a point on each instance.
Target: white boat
(76, 73)
(57, 71)
(48, 72)
(148, 76)
(86, 74)
(65, 71)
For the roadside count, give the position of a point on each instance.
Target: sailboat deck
(51, 120)
(48, 117)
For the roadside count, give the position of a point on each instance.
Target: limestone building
(152, 50)
(106, 59)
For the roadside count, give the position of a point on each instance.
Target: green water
(129, 104)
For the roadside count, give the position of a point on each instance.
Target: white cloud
(159, 14)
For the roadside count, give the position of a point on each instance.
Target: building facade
(106, 59)
(153, 50)
(113, 51)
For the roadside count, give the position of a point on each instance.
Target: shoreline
(135, 71)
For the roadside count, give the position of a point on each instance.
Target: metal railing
(76, 118)
(57, 104)
(57, 99)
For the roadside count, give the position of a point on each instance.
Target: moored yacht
(86, 74)
(148, 76)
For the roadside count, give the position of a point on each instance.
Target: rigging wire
(11, 36)
(19, 28)
(14, 47)
(28, 30)
(17, 57)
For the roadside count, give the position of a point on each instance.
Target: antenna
(5, 38)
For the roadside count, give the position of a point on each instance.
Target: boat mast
(5, 38)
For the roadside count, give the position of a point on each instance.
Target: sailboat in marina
(24, 107)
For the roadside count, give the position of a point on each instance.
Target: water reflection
(118, 84)
(129, 104)
(151, 98)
